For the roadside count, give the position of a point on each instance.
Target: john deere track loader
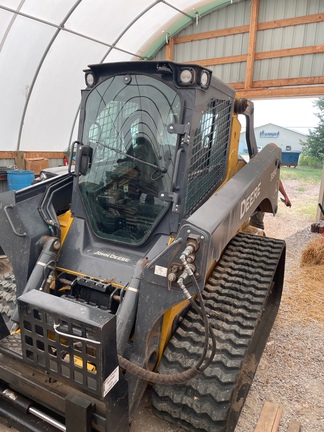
(136, 267)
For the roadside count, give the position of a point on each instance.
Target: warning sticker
(161, 271)
(111, 381)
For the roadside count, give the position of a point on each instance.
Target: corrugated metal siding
(229, 16)
(232, 16)
(229, 73)
(289, 37)
(289, 67)
(270, 10)
(238, 14)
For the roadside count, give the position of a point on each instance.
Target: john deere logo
(112, 256)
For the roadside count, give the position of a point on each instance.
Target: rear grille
(68, 340)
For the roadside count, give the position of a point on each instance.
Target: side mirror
(85, 155)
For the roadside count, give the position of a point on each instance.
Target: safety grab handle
(68, 335)
(5, 209)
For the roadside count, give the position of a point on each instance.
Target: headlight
(187, 76)
(90, 79)
(204, 79)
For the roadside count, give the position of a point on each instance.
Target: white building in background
(286, 139)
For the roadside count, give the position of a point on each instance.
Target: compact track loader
(136, 268)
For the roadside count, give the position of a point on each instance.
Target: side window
(209, 153)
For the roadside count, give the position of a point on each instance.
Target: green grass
(308, 209)
(300, 189)
(304, 174)
(306, 177)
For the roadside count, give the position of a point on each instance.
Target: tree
(314, 146)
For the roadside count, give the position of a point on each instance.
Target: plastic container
(290, 158)
(19, 179)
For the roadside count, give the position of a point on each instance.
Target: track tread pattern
(234, 298)
(7, 295)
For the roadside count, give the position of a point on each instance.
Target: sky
(295, 114)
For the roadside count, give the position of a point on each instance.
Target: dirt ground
(291, 371)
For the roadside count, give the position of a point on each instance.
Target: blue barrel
(18, 179)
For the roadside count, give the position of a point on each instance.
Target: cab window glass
(133, 153)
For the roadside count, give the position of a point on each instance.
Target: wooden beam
(281, 82)
(32, 154)
(252, 43)
(46, 155)
(285, 82)
(20, 160)
(20, 156)
(7, 154)
(287, 22)
(261, 56)
(314, 49)
(220, 60)
(313, 91)
(212, 34)
(169, 49)
(269, 419)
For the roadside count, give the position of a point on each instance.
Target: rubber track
(235, 296)
(7, 295)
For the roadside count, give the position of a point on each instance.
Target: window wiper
(161, 169)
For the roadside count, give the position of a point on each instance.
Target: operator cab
(126, 120)
(153, 146)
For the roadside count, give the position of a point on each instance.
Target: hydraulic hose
(154, 377)
(202, 312)
(178, 378)
(191, 248)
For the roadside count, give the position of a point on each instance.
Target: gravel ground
(290, 373)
